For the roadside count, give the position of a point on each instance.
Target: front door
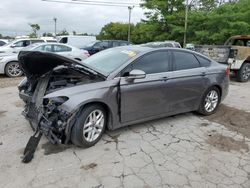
(146, 97)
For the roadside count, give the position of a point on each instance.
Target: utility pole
(55, 19)
(129, 20)
(185, 27)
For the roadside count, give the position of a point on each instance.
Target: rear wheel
(89, 126)
(243, 74)
(210, 101)
(12, 69)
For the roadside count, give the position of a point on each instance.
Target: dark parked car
(67, 100)
(98, 46)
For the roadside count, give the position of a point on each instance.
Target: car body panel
(6, 58)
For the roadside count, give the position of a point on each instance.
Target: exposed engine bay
(44, 114)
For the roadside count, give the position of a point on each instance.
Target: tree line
(209, 22)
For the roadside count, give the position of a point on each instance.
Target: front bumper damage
(46, 118)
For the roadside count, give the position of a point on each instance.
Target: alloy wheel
(246, 72)
(211, 101)
(93, 125)
(14, 70)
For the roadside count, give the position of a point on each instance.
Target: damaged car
(75, 102)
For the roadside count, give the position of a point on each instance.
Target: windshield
(109, 60)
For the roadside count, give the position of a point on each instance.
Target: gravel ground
(185, 150)
(8, 82)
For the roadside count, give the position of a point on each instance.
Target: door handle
(165, 78)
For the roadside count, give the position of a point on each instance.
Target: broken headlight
(55, 101)
(51, 104)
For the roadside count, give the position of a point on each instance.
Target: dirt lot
(186, 150)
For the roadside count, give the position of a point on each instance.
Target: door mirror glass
(136, 74)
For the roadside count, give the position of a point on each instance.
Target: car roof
(142, 49)
(136, 48)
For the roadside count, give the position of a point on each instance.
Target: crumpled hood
(36, 63)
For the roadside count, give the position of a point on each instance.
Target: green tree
(63, 32)
(47, 34)
(35, 28)
(115, 31)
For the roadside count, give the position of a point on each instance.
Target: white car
(77, 41)
(9, 61)
(17, 45)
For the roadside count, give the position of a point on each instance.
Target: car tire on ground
(89, 126)
(243, 75)
(12, 69)
(210, 101)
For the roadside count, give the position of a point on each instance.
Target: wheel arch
(106, 108)
(247, 60)
(218, 87)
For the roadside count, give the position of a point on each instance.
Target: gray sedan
(67, 100)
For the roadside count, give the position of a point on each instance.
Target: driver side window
(155, 62)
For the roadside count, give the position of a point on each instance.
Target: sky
(15, 16)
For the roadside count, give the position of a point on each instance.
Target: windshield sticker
(129, 53)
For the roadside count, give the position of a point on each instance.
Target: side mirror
(136, 74)
(13, 46)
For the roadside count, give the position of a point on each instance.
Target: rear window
(2, 43)
(203, 61)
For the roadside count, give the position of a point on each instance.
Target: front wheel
(210, 101)
(12, 69)
(89, 126)
(243, 74)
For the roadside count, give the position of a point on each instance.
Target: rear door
(143, 98)
(187, 83)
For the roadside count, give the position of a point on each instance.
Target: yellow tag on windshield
(130, 53)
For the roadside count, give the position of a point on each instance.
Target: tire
(12, 69)
(208, 107)
(83, 122)
(243, 74)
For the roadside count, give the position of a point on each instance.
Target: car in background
(117, 87)
(75, 40)
(17, 45)
(190, 46)
(162, 44)
(98, 46)
(3, 42)
(9, 64)
(49, 39)
(235, 53)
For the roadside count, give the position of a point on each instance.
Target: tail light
(233, 53)
(228, 71)
(86, 53)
